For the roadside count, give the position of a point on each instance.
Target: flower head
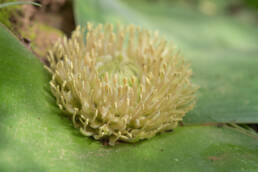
(122, 84)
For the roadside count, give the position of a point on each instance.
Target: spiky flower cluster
(120, 84)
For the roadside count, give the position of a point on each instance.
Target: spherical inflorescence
(122, 84)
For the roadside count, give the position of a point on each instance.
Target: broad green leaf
(35, 135)
(223, 52)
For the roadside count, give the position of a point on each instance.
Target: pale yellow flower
(122, 84)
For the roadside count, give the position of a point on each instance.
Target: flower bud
(125, 84)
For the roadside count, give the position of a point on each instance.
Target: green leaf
(223, 52)
(35, 136)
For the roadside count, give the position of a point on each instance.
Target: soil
(40, 27)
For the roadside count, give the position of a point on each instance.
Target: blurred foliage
(251, 3)
(242, 10)
(6, 13)
(212, 6)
